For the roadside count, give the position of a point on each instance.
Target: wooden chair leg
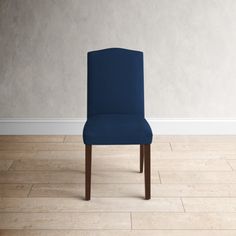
(141, 158)
(147, 171)
(88, 165)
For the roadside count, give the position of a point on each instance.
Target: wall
(189, 48)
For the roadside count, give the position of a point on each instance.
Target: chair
(115, 107)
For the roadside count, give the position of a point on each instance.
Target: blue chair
(115, 107)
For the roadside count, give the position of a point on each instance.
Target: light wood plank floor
(42, 187)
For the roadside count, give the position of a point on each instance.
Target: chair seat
(117, 129)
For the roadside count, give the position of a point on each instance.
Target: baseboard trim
(41, 126)
(159, 126)
(193, 126)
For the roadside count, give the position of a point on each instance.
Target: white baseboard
(159, 126)
(193, 126)
(41, 126)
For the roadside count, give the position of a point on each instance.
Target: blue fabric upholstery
(117, 129)
(115, 108)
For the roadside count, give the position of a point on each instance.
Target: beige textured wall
(189, 46)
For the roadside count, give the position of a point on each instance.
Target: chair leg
(141, 158)
(147, 171)
(88, 165)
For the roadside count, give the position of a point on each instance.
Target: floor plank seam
(93, 230)
(131, 221)
(182, 204)
(183, 229)
(25, 228)
(80, 171)
(165, 183)
(126, 197)
(197, 171)
(227, 161)
(159, 176)
(92, 212)
(31, 187)
(9, 168)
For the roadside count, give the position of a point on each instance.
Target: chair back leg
(141, 158)
(88, 166)
(147, 170)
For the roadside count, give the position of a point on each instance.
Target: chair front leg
(88, 165)
(147, 170)
(141, 158)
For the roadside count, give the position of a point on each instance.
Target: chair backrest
(115, 82)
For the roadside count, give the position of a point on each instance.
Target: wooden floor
(193, 187)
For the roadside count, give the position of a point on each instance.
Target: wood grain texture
(135, 190)
(183, 220)
(193, 187)
(209, 204)
(14, 155)
(32, 138)
(198, 177)
(118, 232)
(26, 146)
(5, 164)
(126, 163)
(65, 220)
(14, 190)
(204, 146)
(97, 205)
(119, 176)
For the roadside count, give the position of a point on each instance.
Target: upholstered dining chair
(115, 107)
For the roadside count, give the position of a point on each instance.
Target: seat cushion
(117, 129)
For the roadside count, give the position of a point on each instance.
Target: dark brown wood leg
(88, 165)
(141, 157)
(147, 171)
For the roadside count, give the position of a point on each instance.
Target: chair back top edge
(114, 49)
